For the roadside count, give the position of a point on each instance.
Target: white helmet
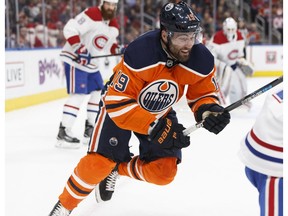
(230, 28)
(111, 1)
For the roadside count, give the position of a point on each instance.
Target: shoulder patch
(144, 51)
(94, 13)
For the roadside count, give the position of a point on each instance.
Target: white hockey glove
(245, 67)
(120, 49)
(83, 55)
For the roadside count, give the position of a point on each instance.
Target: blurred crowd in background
(39, 23)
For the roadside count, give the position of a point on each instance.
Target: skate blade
(97, 194)
(67, 145)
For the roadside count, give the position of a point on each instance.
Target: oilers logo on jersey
(158, 96)
(113, 141)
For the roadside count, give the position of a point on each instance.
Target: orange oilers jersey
(146, 83)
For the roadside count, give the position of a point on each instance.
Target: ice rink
(210, 180)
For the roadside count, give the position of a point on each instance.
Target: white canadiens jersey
(227, 51)
(262, 148)
(98, 36)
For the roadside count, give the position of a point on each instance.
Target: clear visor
(183, 38)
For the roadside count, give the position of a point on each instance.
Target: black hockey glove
(169, 134)
(215, 118)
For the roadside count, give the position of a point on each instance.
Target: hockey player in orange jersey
(147, 82)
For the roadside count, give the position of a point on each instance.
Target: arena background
(33, 39)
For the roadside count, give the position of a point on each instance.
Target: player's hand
(242, 61)
(169, 134)
(120, 49)
(214, 116)
(83, 55)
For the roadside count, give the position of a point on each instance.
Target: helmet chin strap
(171, 60)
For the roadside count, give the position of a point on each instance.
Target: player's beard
(107, 14)
(177, 54)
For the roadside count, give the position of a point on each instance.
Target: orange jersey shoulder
(142, 91)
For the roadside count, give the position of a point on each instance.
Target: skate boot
(105, 189)
(88, 132)
(66, 139)
(59, 210)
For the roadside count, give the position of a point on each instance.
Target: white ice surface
(210, 180)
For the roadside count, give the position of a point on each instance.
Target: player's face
(181, 45)
(108, 10)
(230, 33)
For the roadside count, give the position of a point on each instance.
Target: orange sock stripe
(77, 189)
(135, 168)
(73, 194)
(131, 168)
(77, 186)
(81, 183)
(138, 169)
(90, 170)
(67, 201)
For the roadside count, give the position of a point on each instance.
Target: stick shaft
(104, 56)
(238, 103)
(254, 94)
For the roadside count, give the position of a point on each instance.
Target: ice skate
(105, 189)
(66, 140)
(88, 132)
(59, 210)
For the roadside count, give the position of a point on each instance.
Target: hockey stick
(104, 56)
(221, 96)
(238, 103)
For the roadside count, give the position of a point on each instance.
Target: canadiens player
(147, 82)
(90, 33)
(262, 153)
(227, 45)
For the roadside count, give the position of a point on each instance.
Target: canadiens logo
(158, 95)
(100, 41)
(233, 54)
